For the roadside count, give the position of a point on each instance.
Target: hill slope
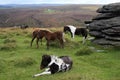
(46, 16)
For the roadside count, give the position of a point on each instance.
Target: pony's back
(81, 31)
(67, 60)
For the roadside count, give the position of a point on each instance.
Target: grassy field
(19, 61)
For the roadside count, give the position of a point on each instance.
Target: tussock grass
(8, 46)
(55, 44)
(113, 48)
(2, 65)
(26, 41)
(24, 62)
(3, 36)
(70, 43)
(24, 32)
(8, 40)
(29, 35)
(84, 50)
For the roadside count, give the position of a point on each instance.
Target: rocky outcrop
(105, 27)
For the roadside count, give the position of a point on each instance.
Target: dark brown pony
(38, 34)
(52, 36)
(49, 36)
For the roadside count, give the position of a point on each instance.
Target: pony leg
(83, 40)
(43, 73)
(37, 42)
(63, 37)
(41, 41)
(72, 35)
(62, 40)
(61, 43)
(47, 44)
(32, 41)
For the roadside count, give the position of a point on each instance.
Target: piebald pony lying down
(54, 64)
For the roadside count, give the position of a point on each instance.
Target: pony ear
(45, 56)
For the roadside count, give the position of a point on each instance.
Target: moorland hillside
(47, 15)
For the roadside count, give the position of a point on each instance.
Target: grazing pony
(24, 26)
(38, 34)
(52, 36)
(54, 64)
(49, 36)
(76, 31)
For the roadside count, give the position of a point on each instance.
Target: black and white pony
(54, 64)
(76, 31)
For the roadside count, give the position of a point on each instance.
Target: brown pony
(37, 34)
(51, 36)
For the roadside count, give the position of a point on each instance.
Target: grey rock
(103, 41)
(112, 38)
(111, 8)
(105, 16)
(112, 31)
(104, 24)
(105, 27)
(96, 34)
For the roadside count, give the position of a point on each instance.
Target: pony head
(46, 59)
(66, 28)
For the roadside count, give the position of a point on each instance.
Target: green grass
(19, 61)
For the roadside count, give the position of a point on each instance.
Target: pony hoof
(33, 76)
